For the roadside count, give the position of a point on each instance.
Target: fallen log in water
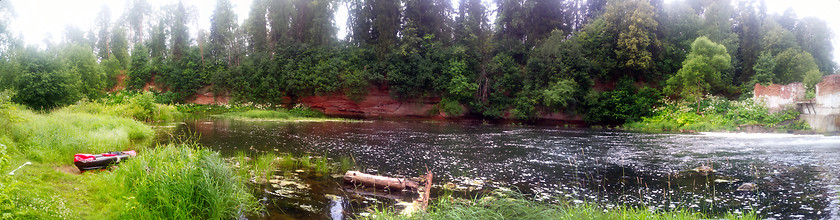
(359, 178)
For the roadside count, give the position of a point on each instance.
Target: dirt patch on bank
(68, 169)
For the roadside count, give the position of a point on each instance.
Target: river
(796, 175)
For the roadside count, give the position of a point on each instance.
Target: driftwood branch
(427, 189)
(381, 182)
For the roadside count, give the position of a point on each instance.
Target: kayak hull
(87, 162)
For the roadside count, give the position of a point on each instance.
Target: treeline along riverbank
(603, 62)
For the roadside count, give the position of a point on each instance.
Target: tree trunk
(359, 178)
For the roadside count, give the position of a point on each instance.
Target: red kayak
(87, 162)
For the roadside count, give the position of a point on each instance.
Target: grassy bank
(138, 106)
(165, 182)
(516, 206)
(717, 114)
(298, 113)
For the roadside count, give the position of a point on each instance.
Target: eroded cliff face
(377, 103)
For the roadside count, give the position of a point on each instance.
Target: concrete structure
(828, 95)
(825, 116)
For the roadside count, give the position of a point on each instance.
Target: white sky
(37, 19)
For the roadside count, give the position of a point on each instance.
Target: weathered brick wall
(777, 97)
(828, 95)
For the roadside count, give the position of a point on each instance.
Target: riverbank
(153, 184)
(509, 205)
(162, 182)
(718, 114)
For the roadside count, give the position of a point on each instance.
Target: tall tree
(701, 71)
(137, 14)
(375, 22)
(632, 24)
(592, 9)
(222, 27)
(180, 36)
(748, 28)
(119, 45)
(680, 26)
(792, 65)
(103, 30)
(544, 17)
(430, 17)
(776, 38)
(74, 35)
(511, 28)
(764, 67)
(157, 43)
(280, 14)
(312, 23)
(139, 73)
(81, 62)
(256, 27)
(815, 37)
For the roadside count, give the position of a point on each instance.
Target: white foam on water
(761, 135)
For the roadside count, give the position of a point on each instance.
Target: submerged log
(396, 196)
(389, 183)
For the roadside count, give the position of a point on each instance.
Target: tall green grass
(57, 136)
(516, 206)
(184, 182)
(298, 112)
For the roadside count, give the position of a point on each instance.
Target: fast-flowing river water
(796, 176)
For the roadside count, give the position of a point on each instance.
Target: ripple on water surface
(795, 176)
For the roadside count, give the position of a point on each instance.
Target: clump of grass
(289, 162)
(304, 160)
(322, 165)
(57, 136)
(184, 182)
(265, 165)
(516, 206)
(345, 164)
(240, 161)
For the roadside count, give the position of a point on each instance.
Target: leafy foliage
(139, 74)
(701, 71)
(625, 104)
(715, 114)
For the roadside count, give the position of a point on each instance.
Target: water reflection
(795, 176)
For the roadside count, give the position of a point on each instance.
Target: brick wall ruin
(777, 97)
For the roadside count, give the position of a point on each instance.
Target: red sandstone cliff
(377, 103)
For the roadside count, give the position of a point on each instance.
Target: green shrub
(450, 107)
(184, 182)
(301, 110)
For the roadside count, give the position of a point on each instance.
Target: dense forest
(607, 60)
